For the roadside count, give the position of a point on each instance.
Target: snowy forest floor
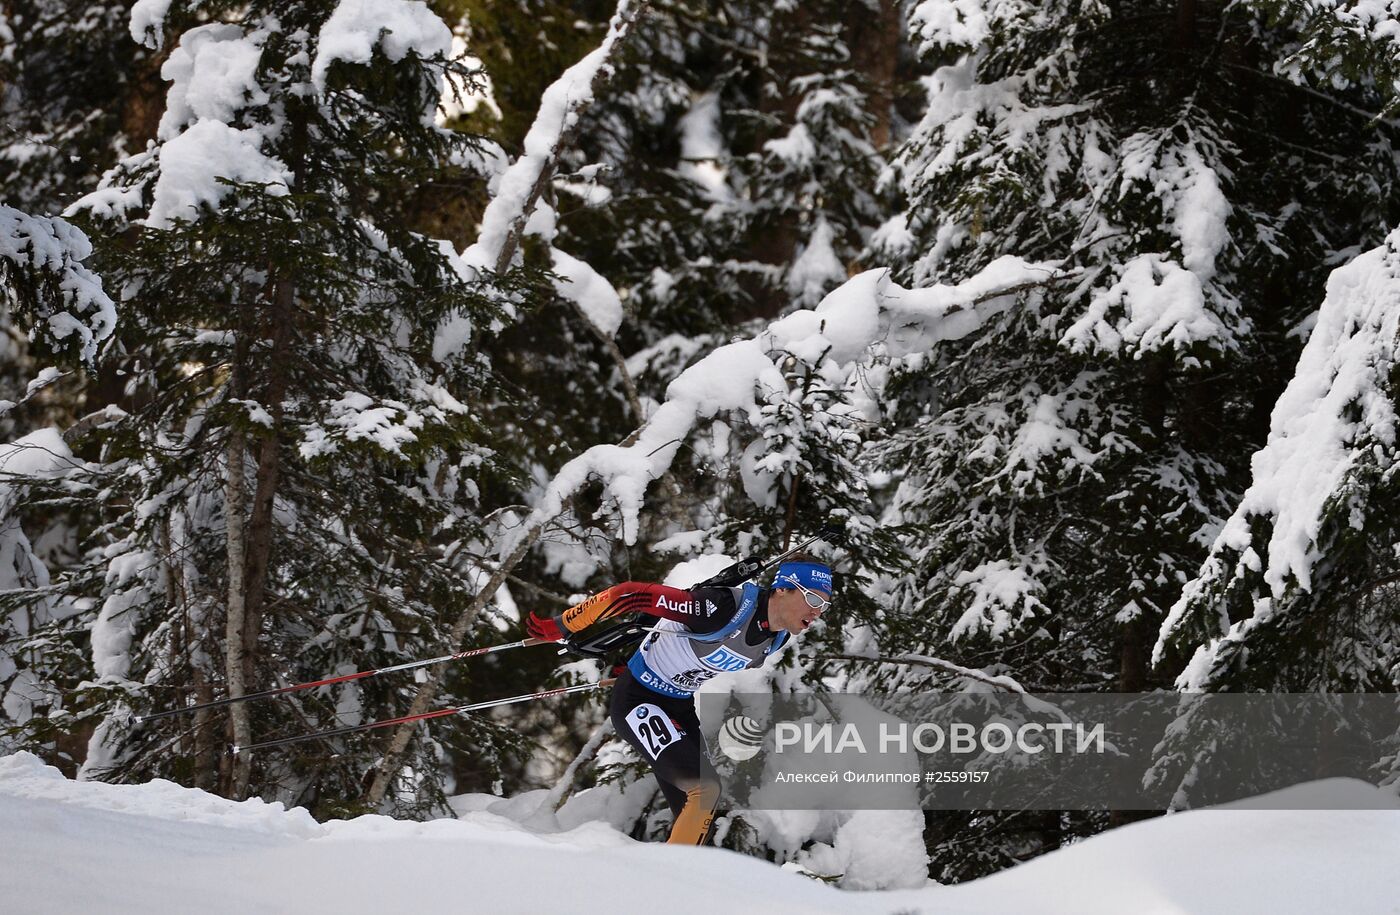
(77, 847)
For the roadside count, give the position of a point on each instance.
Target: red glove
(545, 628)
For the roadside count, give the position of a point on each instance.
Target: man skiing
(703, 632)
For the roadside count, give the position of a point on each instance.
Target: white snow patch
(797, 148)
(949, 23)
(589, 290)
(191, 163)
(148, 22)
(212, 76)
(702, 146)
(144, 848)
(1003, 595)
(396, 28)
(1155, 300)
(39, 454)
(691, 572)
(817, 268)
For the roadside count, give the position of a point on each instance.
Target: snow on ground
(76, 847)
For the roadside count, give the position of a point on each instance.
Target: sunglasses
(814, 599)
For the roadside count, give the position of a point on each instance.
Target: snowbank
(87, 847)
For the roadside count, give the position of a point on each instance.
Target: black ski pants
(666, 732)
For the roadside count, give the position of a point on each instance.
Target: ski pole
(439, 713)
(343, 678)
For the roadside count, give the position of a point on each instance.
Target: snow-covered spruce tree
(1072, 458)
(1068, 464)
(293, 463)
(47, 292)
(1298, 592)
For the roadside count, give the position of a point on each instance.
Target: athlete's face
(790, 610)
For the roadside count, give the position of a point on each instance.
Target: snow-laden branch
(995, 681)
(563, 103)
(357, 29)
(868, 316)
(517, 194)
(1333, 429)
(39, 455)
(44, 279)
(1000, 682)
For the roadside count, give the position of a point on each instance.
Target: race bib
(654, 729)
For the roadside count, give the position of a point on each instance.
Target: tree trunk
(256, 538)
(260, 519)
(792, 505)
(1185, 37)
(235, 660)
(201, 744)
(874, 42)
(1134, 634)
(1132, 656)
(206, 751)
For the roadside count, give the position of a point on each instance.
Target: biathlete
(703, 632)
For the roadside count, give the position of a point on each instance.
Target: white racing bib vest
(674, 661)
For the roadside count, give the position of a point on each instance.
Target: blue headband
(811, 575)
